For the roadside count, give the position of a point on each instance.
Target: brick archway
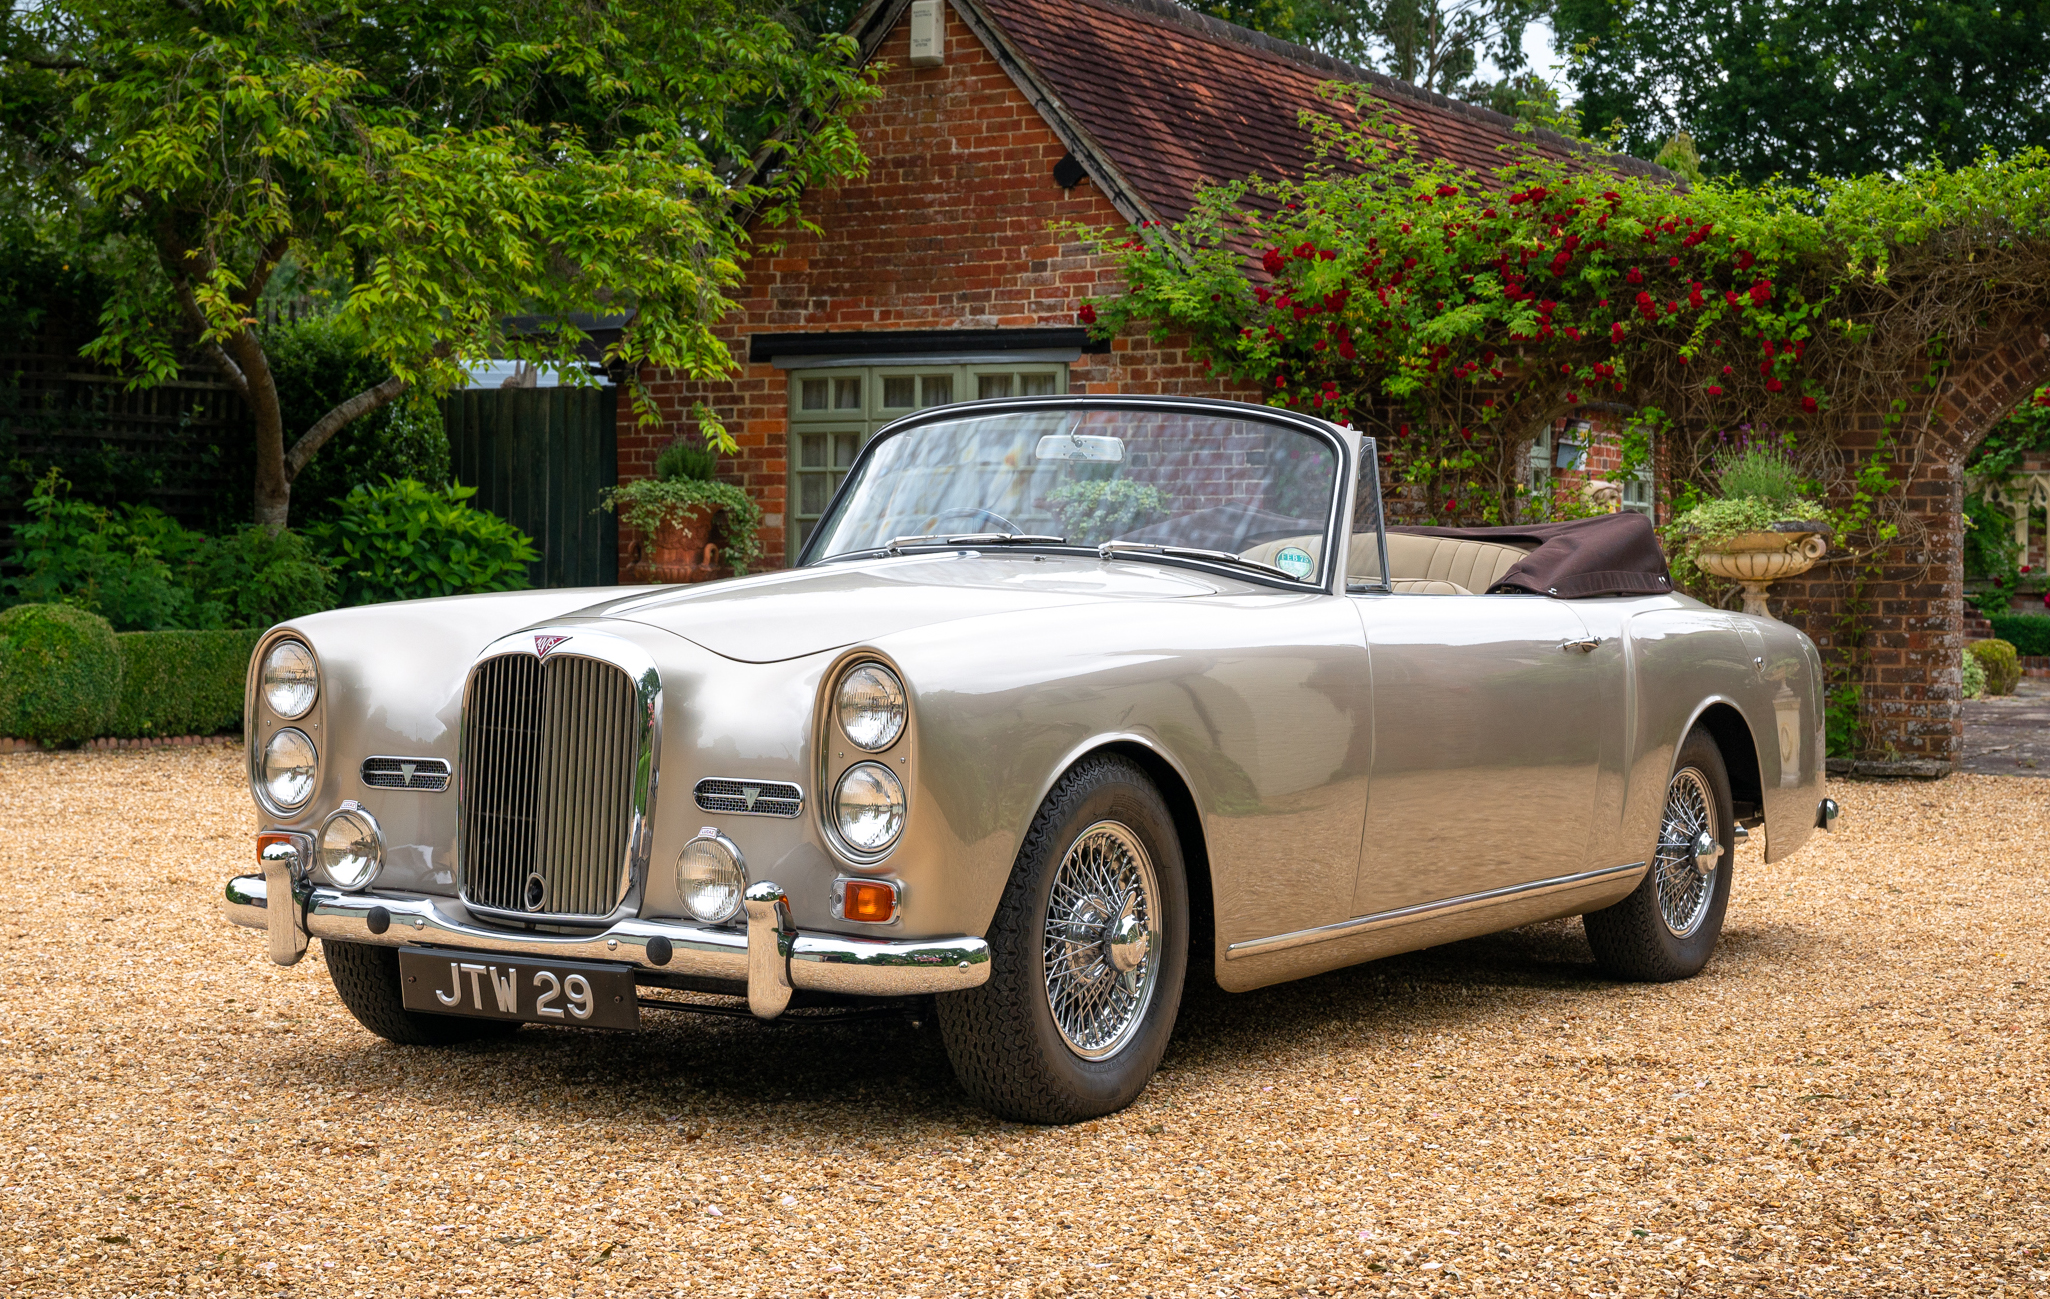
(1913, 610)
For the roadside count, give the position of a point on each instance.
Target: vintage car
(1066, 696)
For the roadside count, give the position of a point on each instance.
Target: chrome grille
(551, 755)
(761, 797)
(430, 774)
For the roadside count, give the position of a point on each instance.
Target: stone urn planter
(680, 550)
(1755, 560)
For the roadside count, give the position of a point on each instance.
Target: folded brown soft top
(1609, 554)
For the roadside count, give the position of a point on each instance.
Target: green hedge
(60, 673)
(2029, 633)
(181, 682)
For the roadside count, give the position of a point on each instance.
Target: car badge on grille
(543, 644)
(406, 770)
(751, 793)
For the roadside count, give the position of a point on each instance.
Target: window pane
(898, 391)
(993, 385)
(938, 389)
(812, 491)
(1036, 385)
(846, 394)
(814, 397)
(845, 447)
(811, 451)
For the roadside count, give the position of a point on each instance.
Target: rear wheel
(1089, 949)
(366, 977)
(1667, 928)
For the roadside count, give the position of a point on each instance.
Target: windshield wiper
(974, 539)
(1112, 549)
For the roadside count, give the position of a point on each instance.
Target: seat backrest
(1424, 586)
(1475, 565)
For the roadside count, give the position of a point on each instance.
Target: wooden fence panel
(539, 457)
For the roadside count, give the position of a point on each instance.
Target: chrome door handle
(1584, 646)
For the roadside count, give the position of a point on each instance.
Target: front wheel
(1088, 952)
(1667, 928)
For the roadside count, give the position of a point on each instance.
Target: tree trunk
(273, 481)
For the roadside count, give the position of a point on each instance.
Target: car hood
(803, 611)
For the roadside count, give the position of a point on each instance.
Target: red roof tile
(1175, 99)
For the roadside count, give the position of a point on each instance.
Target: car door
(1488, 728)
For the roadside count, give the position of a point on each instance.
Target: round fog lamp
(868, 807)
(710, 877)
(871, 707)
(351, 849)
(288, 768)
(290, 680)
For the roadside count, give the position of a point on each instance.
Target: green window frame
(836, 409)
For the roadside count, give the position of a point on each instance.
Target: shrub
(2029, 633)
(141, 571)
(682, 460)
(60, 673)
(1761, 473)
(404, 540)
(182, 682)
(1973, 680)
(2003, 667)
(320, 362)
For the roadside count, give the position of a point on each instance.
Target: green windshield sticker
(1295, 561)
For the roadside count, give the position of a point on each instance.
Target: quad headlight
(871, 707)
(868, 807)
(290, 680)
(351, 848)
(710, 877)
(289, 765)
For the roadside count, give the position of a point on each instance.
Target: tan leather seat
(1424, 586)
(1463, 566)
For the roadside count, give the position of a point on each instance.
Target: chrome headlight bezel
(366, 832)
(266, 781)
(299, 683)
(711, 855)
(875, 724)
(880, 778)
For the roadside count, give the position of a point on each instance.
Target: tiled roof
(1175, 99)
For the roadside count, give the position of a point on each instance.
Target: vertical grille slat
(550, 753)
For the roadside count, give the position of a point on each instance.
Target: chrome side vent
(761, 797)
(552, 752)
(429, 774)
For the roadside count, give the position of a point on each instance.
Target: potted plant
(675, 511)
(1759, 530)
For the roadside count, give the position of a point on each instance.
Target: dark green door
(539, 457)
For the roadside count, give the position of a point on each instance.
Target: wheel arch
(1733, 739)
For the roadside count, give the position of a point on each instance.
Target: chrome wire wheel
(1101, 940)
(1685, 890)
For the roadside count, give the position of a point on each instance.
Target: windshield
(1147, 477)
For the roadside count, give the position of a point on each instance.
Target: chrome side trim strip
(817, 962)
(1423, 911)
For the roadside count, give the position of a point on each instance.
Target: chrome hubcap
(1101, 918)
(1689, 853)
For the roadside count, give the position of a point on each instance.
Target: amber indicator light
(869, 902)
(264, 841)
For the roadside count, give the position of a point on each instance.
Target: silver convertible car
(1067, 697)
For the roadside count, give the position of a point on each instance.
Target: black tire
(1002, 1037)
(366, 977)
(1633, 939)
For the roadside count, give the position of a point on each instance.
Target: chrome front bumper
(771, 957)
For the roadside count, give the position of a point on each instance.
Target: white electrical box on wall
(928, 33)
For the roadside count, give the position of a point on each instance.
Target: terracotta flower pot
(680, 540)
(1755, 560)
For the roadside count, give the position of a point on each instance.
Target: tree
(433, 168)
(1831, 87)
(1435, 44)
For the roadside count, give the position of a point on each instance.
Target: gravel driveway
(1849, 1102)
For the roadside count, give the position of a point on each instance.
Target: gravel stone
(1849, 1101)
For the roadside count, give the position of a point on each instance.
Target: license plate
(483, 985)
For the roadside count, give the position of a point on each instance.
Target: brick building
(952, 271)
(943, 276)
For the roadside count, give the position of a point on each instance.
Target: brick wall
(949, 230)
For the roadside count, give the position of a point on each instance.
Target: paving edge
(109, 743)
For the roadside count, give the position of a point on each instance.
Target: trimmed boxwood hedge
(2029, 633)
(181, 682)
(60, 673)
